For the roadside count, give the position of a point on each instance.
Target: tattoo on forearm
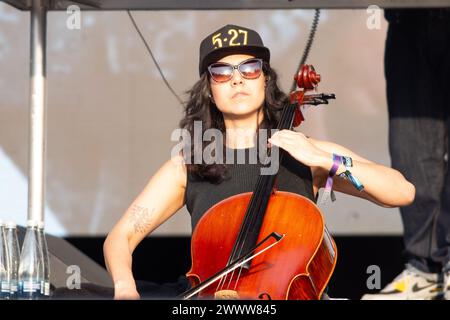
(140, 218)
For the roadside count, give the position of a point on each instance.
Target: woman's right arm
(162, 197)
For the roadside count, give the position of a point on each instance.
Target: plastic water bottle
(4, 265)
(45, 283)
(12, 244)
(31, 271)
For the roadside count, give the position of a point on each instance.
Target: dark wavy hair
(200, 107)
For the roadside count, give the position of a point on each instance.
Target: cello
(266, 244)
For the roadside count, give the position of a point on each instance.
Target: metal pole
(36, 165)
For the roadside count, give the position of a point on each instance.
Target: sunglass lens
(251, 69)
(221, 72)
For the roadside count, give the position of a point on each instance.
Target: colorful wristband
(348, 163)
(337, 160)
(356, 183)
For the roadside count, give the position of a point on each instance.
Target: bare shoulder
(164, 193)
(176, 167)
(161, 198)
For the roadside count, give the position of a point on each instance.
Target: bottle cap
(10, 225)
(32, 223)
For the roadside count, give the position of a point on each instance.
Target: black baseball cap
(231, 39)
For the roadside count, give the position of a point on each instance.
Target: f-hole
(265, 296)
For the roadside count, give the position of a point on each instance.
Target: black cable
(154, 60)
(312, 33)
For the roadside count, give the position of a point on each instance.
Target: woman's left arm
(384, 186)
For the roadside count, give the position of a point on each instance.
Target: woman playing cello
(237, 96)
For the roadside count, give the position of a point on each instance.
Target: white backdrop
(110, 116)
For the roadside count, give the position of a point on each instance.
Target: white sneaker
(411, 284)
(446, 286)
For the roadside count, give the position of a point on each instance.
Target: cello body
(298, 267)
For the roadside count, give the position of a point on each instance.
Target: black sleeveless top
(200, 195)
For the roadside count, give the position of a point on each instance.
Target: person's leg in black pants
(417, 135)
(442, 252)
(417, 130)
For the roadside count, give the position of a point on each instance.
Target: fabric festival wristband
(356, 183)
(337, 160)
(348, 163)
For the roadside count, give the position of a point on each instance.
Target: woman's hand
(124, 290)
(300, 148)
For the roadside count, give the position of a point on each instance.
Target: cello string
(238, 247)
(258, 197)
(248, 221)
(239, 241)
(262, 186)
(263, 191)
(267, 184)
(249, 214)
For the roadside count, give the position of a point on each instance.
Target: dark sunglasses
(249, 69)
